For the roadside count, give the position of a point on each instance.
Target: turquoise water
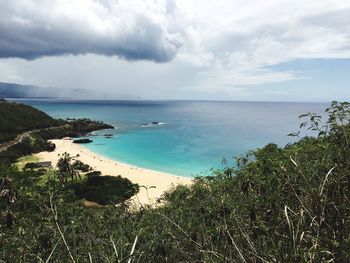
(195, 136)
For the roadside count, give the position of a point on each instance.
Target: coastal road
(20, 137)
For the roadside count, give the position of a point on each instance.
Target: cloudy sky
(290, 50)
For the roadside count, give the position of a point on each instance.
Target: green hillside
(276, 204)
(16, 118)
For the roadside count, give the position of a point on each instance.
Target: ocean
(187, 138)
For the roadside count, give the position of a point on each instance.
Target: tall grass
(276, 205)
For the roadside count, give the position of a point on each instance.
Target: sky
(272, 50)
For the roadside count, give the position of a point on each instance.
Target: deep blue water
(195, 136)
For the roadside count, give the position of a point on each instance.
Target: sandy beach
(156, 182)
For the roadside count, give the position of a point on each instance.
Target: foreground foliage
(91, 186)
(277, 205)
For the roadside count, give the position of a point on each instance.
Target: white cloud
(244, 37)
(228, 78)
(226, 43)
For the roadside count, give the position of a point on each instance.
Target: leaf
(303, 124)
(303, 115)
(294, 134)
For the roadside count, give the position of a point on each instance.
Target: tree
(66, 169)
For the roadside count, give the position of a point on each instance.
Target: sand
(153, 183)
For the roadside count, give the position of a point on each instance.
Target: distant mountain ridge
(13, 90)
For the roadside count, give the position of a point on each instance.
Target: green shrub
(30, 165)
(106, 190)
(93, 173)
(79, 165)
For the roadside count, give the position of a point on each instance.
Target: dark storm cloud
(29, 32)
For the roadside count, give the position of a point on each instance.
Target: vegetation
(79, 165)
(66, 169)
(16, 118)
(30, 129)
(105, 190)
(275, 205)
(93, 173)
(73, 128)
(21, 162)
(29, 145)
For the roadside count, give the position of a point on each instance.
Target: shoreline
(148, 195)
(136, 166)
